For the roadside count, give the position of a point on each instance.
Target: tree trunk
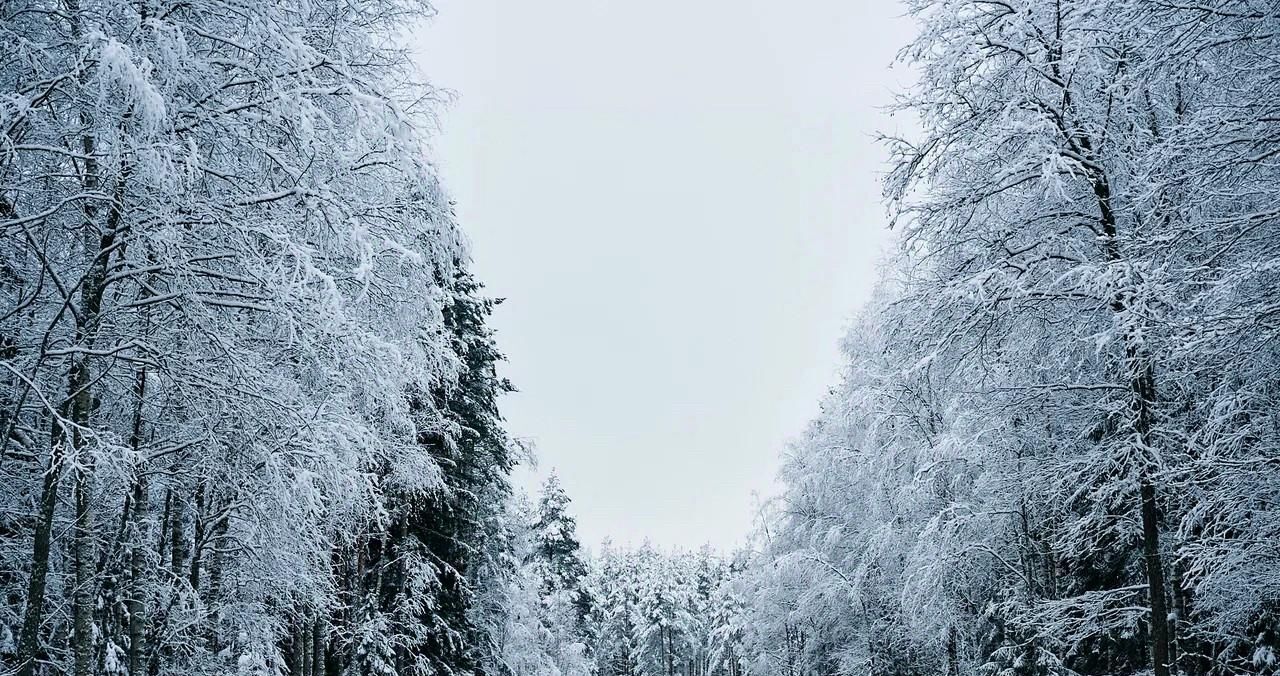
(164, 524)
(177, 539)
(137, 555)
(1155, 581)
(317, 647)
(670, 649)
(953, 653)
(84, 565)
(304, 646)
(76, 410)
(28, 645)
(213, 589)
(296, 659)
(198, 537)
(1142, 389)
(137, 580)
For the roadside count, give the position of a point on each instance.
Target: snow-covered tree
(1037, 461)
(557, 554)
(239, 343)
(531, 630)
(661, 613)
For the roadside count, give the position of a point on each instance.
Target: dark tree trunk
(198, 535)
(1142, 388)
(137, 579)
(29, 642)
(213, 590)
(317, 647)
(137, 556)
(85, 575)
(76, 409)
(1160, 643)
(304, 646)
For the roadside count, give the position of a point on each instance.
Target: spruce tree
(476, 458)
(557, 546)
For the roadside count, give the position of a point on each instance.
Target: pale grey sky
(680, 201)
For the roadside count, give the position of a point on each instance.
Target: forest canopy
(250, 396)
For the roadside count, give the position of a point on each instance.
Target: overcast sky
(679, 200)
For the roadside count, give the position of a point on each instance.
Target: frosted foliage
(221, 229)
(655, 613)
(531, 627)
(249, 402)
(1048, 451)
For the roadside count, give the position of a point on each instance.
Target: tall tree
(555, 531)
(227, 268)
(1042, 408)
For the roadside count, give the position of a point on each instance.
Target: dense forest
(249, 393)
(1054, 447)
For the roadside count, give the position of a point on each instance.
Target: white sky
(680, 201)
